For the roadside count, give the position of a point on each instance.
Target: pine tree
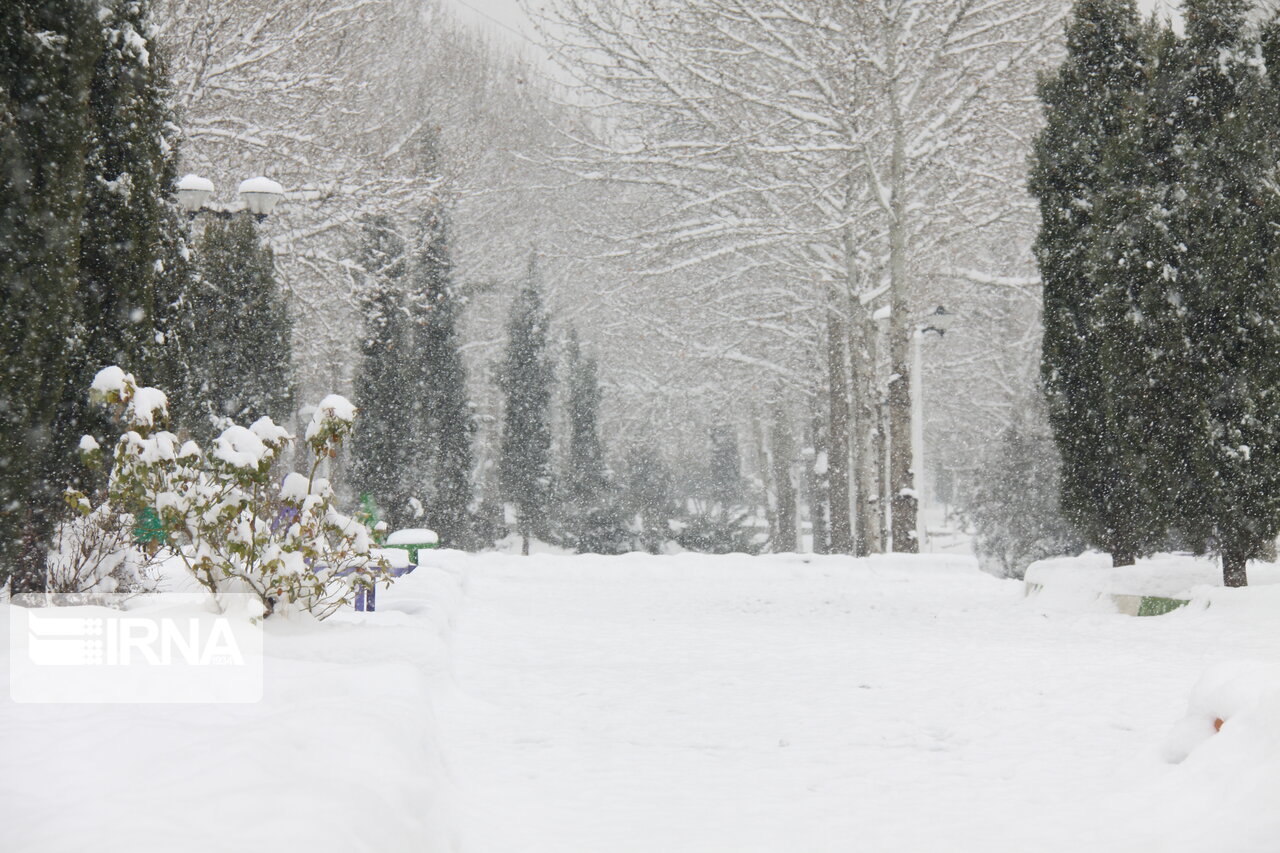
(131, 168)
(1094, 372)
(782, 455)
(647, 497)
(49, 50)
(1014, 507)
(130, 226)
(442, 459)
(590, 509)
(525, 379)
(240, 346)
(1228, 425)
(724, 469)
(383, 435)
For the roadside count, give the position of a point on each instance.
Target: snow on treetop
(145, 405)
(110, 379)
(333, 407)
(239, 447)
(88, 444)
(296, 487)
(267, 430)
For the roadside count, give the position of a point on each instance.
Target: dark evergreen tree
(1092, 367)
(50, 52)
(525, 378)
(383, 435)
(715, 520)
(782, 453)
(129, 212)
(1014, 508)
(648, 502)
(589, 509)
(1227, 427)
(239, 343)
(441, 455)
(131, 232)
(724, 469)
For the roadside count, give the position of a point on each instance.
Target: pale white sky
(506, 15)
(499, 16)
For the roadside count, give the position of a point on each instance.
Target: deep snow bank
(1087, 580)
(342, 754)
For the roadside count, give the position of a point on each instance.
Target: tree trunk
(863, 345)
(817, 490)
(1123, 557)
(1234, 570)
(901, 327)
(838, 436)
(783, 449)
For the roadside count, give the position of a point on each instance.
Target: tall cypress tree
(442, 418)
(1093, 374)
(782, 454)
(383, 435)
(239, 344)
(724, 468)
(526, 375)
(1228, 132)
(647, 497)
(87, 162)
(591, 511)
(130, 228)
(129, 184)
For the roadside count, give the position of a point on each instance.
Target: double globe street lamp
(257, 195)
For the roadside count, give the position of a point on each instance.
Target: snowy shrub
(1013, 509)
(225, 512)
(94, 551)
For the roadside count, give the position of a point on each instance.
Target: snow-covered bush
(227, 514)
(94, 551)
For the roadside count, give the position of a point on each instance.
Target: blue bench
(365, 598)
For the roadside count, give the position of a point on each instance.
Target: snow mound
(1082, 580)
(1244, 694)
(110, 379)
(413, 536)
(341, 754)
(335, 407)
(240, 448)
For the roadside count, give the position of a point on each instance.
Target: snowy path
(731, 704)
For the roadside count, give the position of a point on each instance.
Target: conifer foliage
(85, 170)
(380, 444)
(589, 509)
(442, 422)
(1161, 266)
(1228, 284)
(526, 376)
(237, 332)
(1091, 382)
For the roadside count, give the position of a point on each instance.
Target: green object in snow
(413, 541)
(368, 516)
(1154, 605)
(149, 528)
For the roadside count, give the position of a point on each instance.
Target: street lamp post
(938, 320)
(258, 195)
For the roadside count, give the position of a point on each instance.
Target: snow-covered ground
(687, 703)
